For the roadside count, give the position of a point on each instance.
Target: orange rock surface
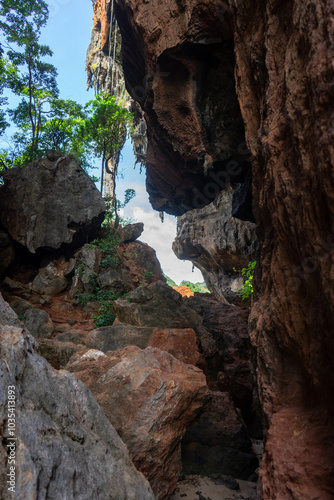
(184, 291)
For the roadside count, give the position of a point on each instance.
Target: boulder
(130, 264)
(38, 323)
(75, 337)
(87, 265)
(65, 447)
(20, 306)
(181, 343)
(215, 242)
(151, 398)
(165, 309)
(58, 354)
(131, 232)
(217, 442)
(120, 335)
(51, 279)
(8, 316)
(141, 263)
(115, 280)
(50, 203)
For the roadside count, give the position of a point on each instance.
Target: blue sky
(68, 34)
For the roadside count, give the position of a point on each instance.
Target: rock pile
(161, 368)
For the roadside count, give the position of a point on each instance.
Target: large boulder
(49, 203)
(181, 343)
(151, 398)
(131, 232)
(38, 323)
(156, 305)
(52, 279)
(120, 335)
(65, 446)
(215, 242)
(120, 268)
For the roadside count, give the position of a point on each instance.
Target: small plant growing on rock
(247, 290)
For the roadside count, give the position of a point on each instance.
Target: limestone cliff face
(217, 243)
(209, 75)
(178, 62)
(284, 75)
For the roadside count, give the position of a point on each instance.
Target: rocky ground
(214, 488)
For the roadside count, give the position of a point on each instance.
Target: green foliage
(104, 316)
(196, 287)
(104, 132)
(8, 72)
(247, 290)
(147, 279)
(170, 282)
(34, 79)
(105, 298)
(58, 129)
(109, 248)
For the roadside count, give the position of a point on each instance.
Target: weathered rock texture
(284, 75)
(48, 203)
(216, 242)
(179, 63)
(181, 53)
(121, 270)
(229, 358)
(156, 305)
(65, 447)
(150, 397)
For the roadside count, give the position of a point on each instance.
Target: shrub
(247, 290)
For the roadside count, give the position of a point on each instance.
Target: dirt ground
(205, 488)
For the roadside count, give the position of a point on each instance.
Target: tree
(8, 73)
(21, 22)
(195, 287)
(105, 129)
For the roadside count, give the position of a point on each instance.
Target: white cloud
(160, 236)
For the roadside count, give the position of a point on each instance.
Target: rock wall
(181, 53)
(217, 244)
(209, 75)
(284, 75)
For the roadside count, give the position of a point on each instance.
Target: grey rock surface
(48, 203)
(51, 279)
(7, 315)
(165, 308)
(65, 448)
(216, 242)
(38, 323)
(131, 232)
(119, 335)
